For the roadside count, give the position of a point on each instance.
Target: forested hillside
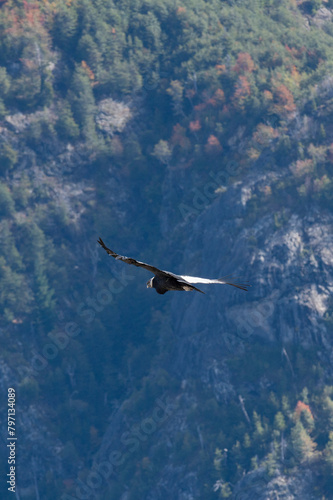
(196, 136)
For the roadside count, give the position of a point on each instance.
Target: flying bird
(164, 281)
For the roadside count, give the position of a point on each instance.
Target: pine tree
(259, 429)
(328, 452)
(66, 126)
(3, 110)
(4, 83)
(176, 90)
(279, 422)
(328, 409)
(303, 445)
(65, 27)
(83, 105)
(88, 51)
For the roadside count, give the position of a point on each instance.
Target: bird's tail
(233, 281)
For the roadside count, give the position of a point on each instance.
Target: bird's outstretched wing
(226, 280)
(185, 280)
(129, 260)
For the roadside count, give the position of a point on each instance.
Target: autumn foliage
(88, 71)
(302, 407)
(242, 92)
(283, 100)
(264, 134)
(244, 63)
(213, 146)
(302, 167)
(195, 126)
(220, 68)
(30, 18)
(179, 138)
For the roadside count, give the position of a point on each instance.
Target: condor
(164, 281)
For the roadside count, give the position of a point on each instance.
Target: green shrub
(6, 200)
(3, 110)
(8, 157)
(37, 130)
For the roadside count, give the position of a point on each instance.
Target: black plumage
(164, 281)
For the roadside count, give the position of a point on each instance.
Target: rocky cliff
(285, 251)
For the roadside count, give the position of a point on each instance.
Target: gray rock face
(322, 16)
(282, 253)
(112, 116)
(258, 486)
(19, 121)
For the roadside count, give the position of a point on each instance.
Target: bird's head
(150, 283)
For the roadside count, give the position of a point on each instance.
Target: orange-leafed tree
(179, 138)
(264, 134)
(219, 96)
(25, 39)
(200, 107)
(180, 11)
(244, 63)
(303, 414)
(213, 145)
(194, 126)
(268, 97)
(302, 407)
(283, 100)
(242, 92)
(220, 68)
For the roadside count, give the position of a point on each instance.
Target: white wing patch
(193, 279)
(226, 280)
